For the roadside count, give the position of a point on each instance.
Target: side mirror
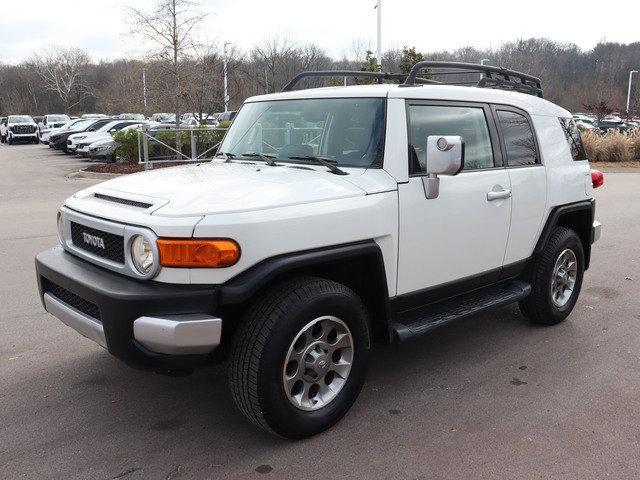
(113, 130)
(445, 156)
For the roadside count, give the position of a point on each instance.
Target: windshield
(347, 131)
(109, 126)
(96, 124)
(20, 119)
(80, 125)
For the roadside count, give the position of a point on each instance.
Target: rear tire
(311, 320)
(556, 279)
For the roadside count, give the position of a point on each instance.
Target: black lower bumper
(59, 144)
(117, 301)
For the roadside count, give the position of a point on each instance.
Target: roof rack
(380, 76)
(491, 77)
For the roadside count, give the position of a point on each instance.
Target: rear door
(463, 233)
(528, 181)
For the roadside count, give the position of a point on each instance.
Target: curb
(82, 173)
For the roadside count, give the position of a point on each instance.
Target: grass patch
(613, 147)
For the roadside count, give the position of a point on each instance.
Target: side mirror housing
(445, 156)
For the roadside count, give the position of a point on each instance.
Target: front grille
(124, 201)
(102, 244)
(72, 300)
(22, 129)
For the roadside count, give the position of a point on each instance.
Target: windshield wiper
(262, 156)
(226, 156)
(322, 161)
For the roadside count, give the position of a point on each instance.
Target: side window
(518, 138)
(468, 122)
(572, 133)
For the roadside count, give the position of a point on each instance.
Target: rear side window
(572, 133)
(469, 123)
(518, 138)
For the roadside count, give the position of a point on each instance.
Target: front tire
(299, 357)
(9, 139)
(556, 279)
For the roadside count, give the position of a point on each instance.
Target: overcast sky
(99, 26)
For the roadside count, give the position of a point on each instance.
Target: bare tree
(202, 88)
(169, 30)
(64, 72)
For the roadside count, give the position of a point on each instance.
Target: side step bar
(419, 321)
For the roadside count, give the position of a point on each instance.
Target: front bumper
(24, 136)
(58, 144)
(145, 323)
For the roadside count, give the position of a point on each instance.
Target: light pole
(629, 90)
(224, 68)
(482, 62)
(379, 43)
(144, 89)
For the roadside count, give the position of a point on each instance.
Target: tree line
(59, 79)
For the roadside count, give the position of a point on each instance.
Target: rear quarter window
(572, 134)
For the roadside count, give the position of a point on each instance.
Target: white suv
(331, 219)
(18, 128)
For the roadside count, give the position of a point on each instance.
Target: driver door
(460, 238)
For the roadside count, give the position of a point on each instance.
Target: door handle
(499, 195)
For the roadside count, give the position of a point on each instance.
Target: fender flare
(244, 285)
(552, 221)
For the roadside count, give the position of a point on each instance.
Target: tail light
(597, 178)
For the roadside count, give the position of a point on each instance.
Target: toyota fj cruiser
(332, 218)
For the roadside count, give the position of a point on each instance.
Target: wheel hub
(318, 363)
(563, 279)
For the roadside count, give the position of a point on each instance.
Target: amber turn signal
(196, 253)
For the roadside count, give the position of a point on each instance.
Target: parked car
(49, 122)
(584, 118)
(106, 150)
(587, 126)
(131, 116)
(38, 119)
(612, 124)
(58, 141)
(47, 132)
(386, 211)
(195, 119)
(163, 117)
(226, 116)
(80, 142)
(18, 128)
(103, 150)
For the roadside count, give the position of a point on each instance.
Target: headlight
(142, 254)
(60, 228)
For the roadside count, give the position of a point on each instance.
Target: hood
(64, 133)
(20, 124)
(220, 188)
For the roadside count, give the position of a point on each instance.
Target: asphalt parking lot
(488, 397)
